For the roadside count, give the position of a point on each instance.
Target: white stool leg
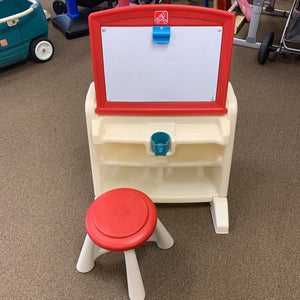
(89, 252)
(161, 236)
(136, 289)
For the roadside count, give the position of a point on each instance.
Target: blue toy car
(23, 32)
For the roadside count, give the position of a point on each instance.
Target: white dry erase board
(139, 70)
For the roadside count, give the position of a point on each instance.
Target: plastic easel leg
(219, 213)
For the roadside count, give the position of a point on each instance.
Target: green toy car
(23, 32)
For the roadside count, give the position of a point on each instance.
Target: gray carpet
(46, 188)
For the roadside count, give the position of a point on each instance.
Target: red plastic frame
(178, 15)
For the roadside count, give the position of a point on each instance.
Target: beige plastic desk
(196, 168)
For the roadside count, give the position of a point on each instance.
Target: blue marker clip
(161, 34)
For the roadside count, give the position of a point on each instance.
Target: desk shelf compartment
(162, 184)
(184, 155)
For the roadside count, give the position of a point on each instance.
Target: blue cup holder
(160, 142)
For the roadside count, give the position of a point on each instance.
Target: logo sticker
(161, 17)
(3, 43)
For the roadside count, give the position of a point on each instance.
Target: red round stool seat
(121, 219)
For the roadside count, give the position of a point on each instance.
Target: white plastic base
(219, 213)
(90, 251)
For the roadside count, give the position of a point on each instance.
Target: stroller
(23, 32)
(290, 39)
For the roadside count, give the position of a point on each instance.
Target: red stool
(121, 220)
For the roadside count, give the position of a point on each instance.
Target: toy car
(23, 32)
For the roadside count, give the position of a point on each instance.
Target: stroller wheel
(59, 7)
(265, 47)
(41, 50)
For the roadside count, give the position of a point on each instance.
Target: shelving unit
(196, 168)
(189, 155)
(162, 184)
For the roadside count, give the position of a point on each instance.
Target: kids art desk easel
(163, 68)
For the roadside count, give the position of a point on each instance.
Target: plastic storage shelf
(195, 169)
